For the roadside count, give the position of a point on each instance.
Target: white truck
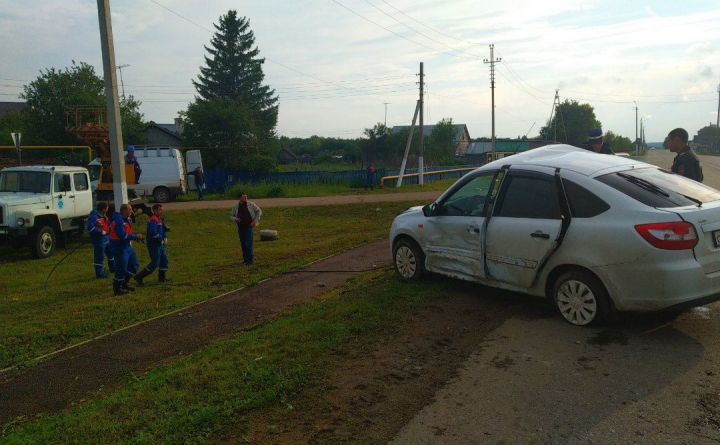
(40, 204)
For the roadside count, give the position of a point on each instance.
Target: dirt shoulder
(103, 364)
(420, 197)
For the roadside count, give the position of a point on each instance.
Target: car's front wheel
(581, 298)
(408, 260)
(43, 242)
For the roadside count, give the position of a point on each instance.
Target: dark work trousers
(246, 242)
(102, 249)
(158, 257)
(126, 262)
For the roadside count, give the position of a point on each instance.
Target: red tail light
(670, 235)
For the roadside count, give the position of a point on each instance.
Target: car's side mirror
(431, 209)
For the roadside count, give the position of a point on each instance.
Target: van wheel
(43, 242)
(581, 298)
(161, 194)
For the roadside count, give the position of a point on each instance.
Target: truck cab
(40, 204)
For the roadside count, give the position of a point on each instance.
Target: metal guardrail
(411, 175)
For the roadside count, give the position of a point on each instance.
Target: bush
(276, 192)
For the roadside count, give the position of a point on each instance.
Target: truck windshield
(24, 181)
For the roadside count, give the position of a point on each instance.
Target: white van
(163, 172)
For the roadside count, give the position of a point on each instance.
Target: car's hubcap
(577, 303)
(46, 243)
(405, 262)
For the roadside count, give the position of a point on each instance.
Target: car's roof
(59, 168)
(568, 157)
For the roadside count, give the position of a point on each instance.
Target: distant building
(286, 156)
(461, 139)
(11, 107)
(479, 149)
(164, 134)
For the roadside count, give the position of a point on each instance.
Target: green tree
(618, 143)
(55, 90)
(440, 146)
(571, 123)
(233, 77)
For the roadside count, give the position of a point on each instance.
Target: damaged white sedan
(594, 233)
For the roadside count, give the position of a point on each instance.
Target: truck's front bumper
(12, 232)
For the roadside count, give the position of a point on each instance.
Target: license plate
(716, 238)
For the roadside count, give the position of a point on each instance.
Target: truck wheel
(161, 194)
(43, 242)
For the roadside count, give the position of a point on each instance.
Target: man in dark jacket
(686, 162)
(246, 215)
(595, 142)
(98, 226)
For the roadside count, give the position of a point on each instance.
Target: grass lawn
(263, 190)
(205, 260)
(205, 396)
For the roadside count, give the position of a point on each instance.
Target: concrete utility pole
(113, 104)
(717, 122)
(386, 104)
(492, 61)
(407, 146)
(637, 148)
(421, 165)
(122, 84)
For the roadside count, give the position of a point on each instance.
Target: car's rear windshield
(659, 188)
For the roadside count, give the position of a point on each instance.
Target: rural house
(461, 140)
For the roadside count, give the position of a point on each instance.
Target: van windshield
(25, 182)
(659, 188)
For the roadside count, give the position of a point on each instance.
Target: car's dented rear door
(524, 226)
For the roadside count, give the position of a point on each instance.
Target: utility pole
(717, 122)
(421, 166)
(637, 148)
(386, 104)
(122, 84)
(113, 104)
(492, 61)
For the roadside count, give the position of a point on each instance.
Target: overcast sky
(335, 62)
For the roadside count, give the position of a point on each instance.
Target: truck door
(83, 194)
(193, 160)
(63, 197)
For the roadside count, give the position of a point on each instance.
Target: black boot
(139, 277)
(161, 276)
(126, 287)
(117, 288)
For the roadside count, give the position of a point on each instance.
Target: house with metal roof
(461, 138)
(163, 134)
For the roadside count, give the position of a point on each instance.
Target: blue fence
(218, 180)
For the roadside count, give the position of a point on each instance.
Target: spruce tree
(233, 73)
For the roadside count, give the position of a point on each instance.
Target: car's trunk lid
(706, 220)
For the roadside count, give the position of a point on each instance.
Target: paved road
(309, 201)
(653, 379)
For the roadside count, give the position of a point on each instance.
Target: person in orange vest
(155, 241)
(98, 226)
(121, 237)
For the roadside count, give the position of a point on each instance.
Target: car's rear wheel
(581, 298)
(408, 260)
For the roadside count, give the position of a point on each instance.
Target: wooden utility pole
(113, 104)
(717, 122)
(492, 61)
(386, 104)
(421, 165)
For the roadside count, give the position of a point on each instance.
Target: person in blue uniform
(98, 226)
(155, 241)
(130, 159)
(121, 237)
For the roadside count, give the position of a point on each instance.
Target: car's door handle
(539, 234)
(473, 229)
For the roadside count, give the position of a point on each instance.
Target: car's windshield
(25, 181)
(658, 188)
